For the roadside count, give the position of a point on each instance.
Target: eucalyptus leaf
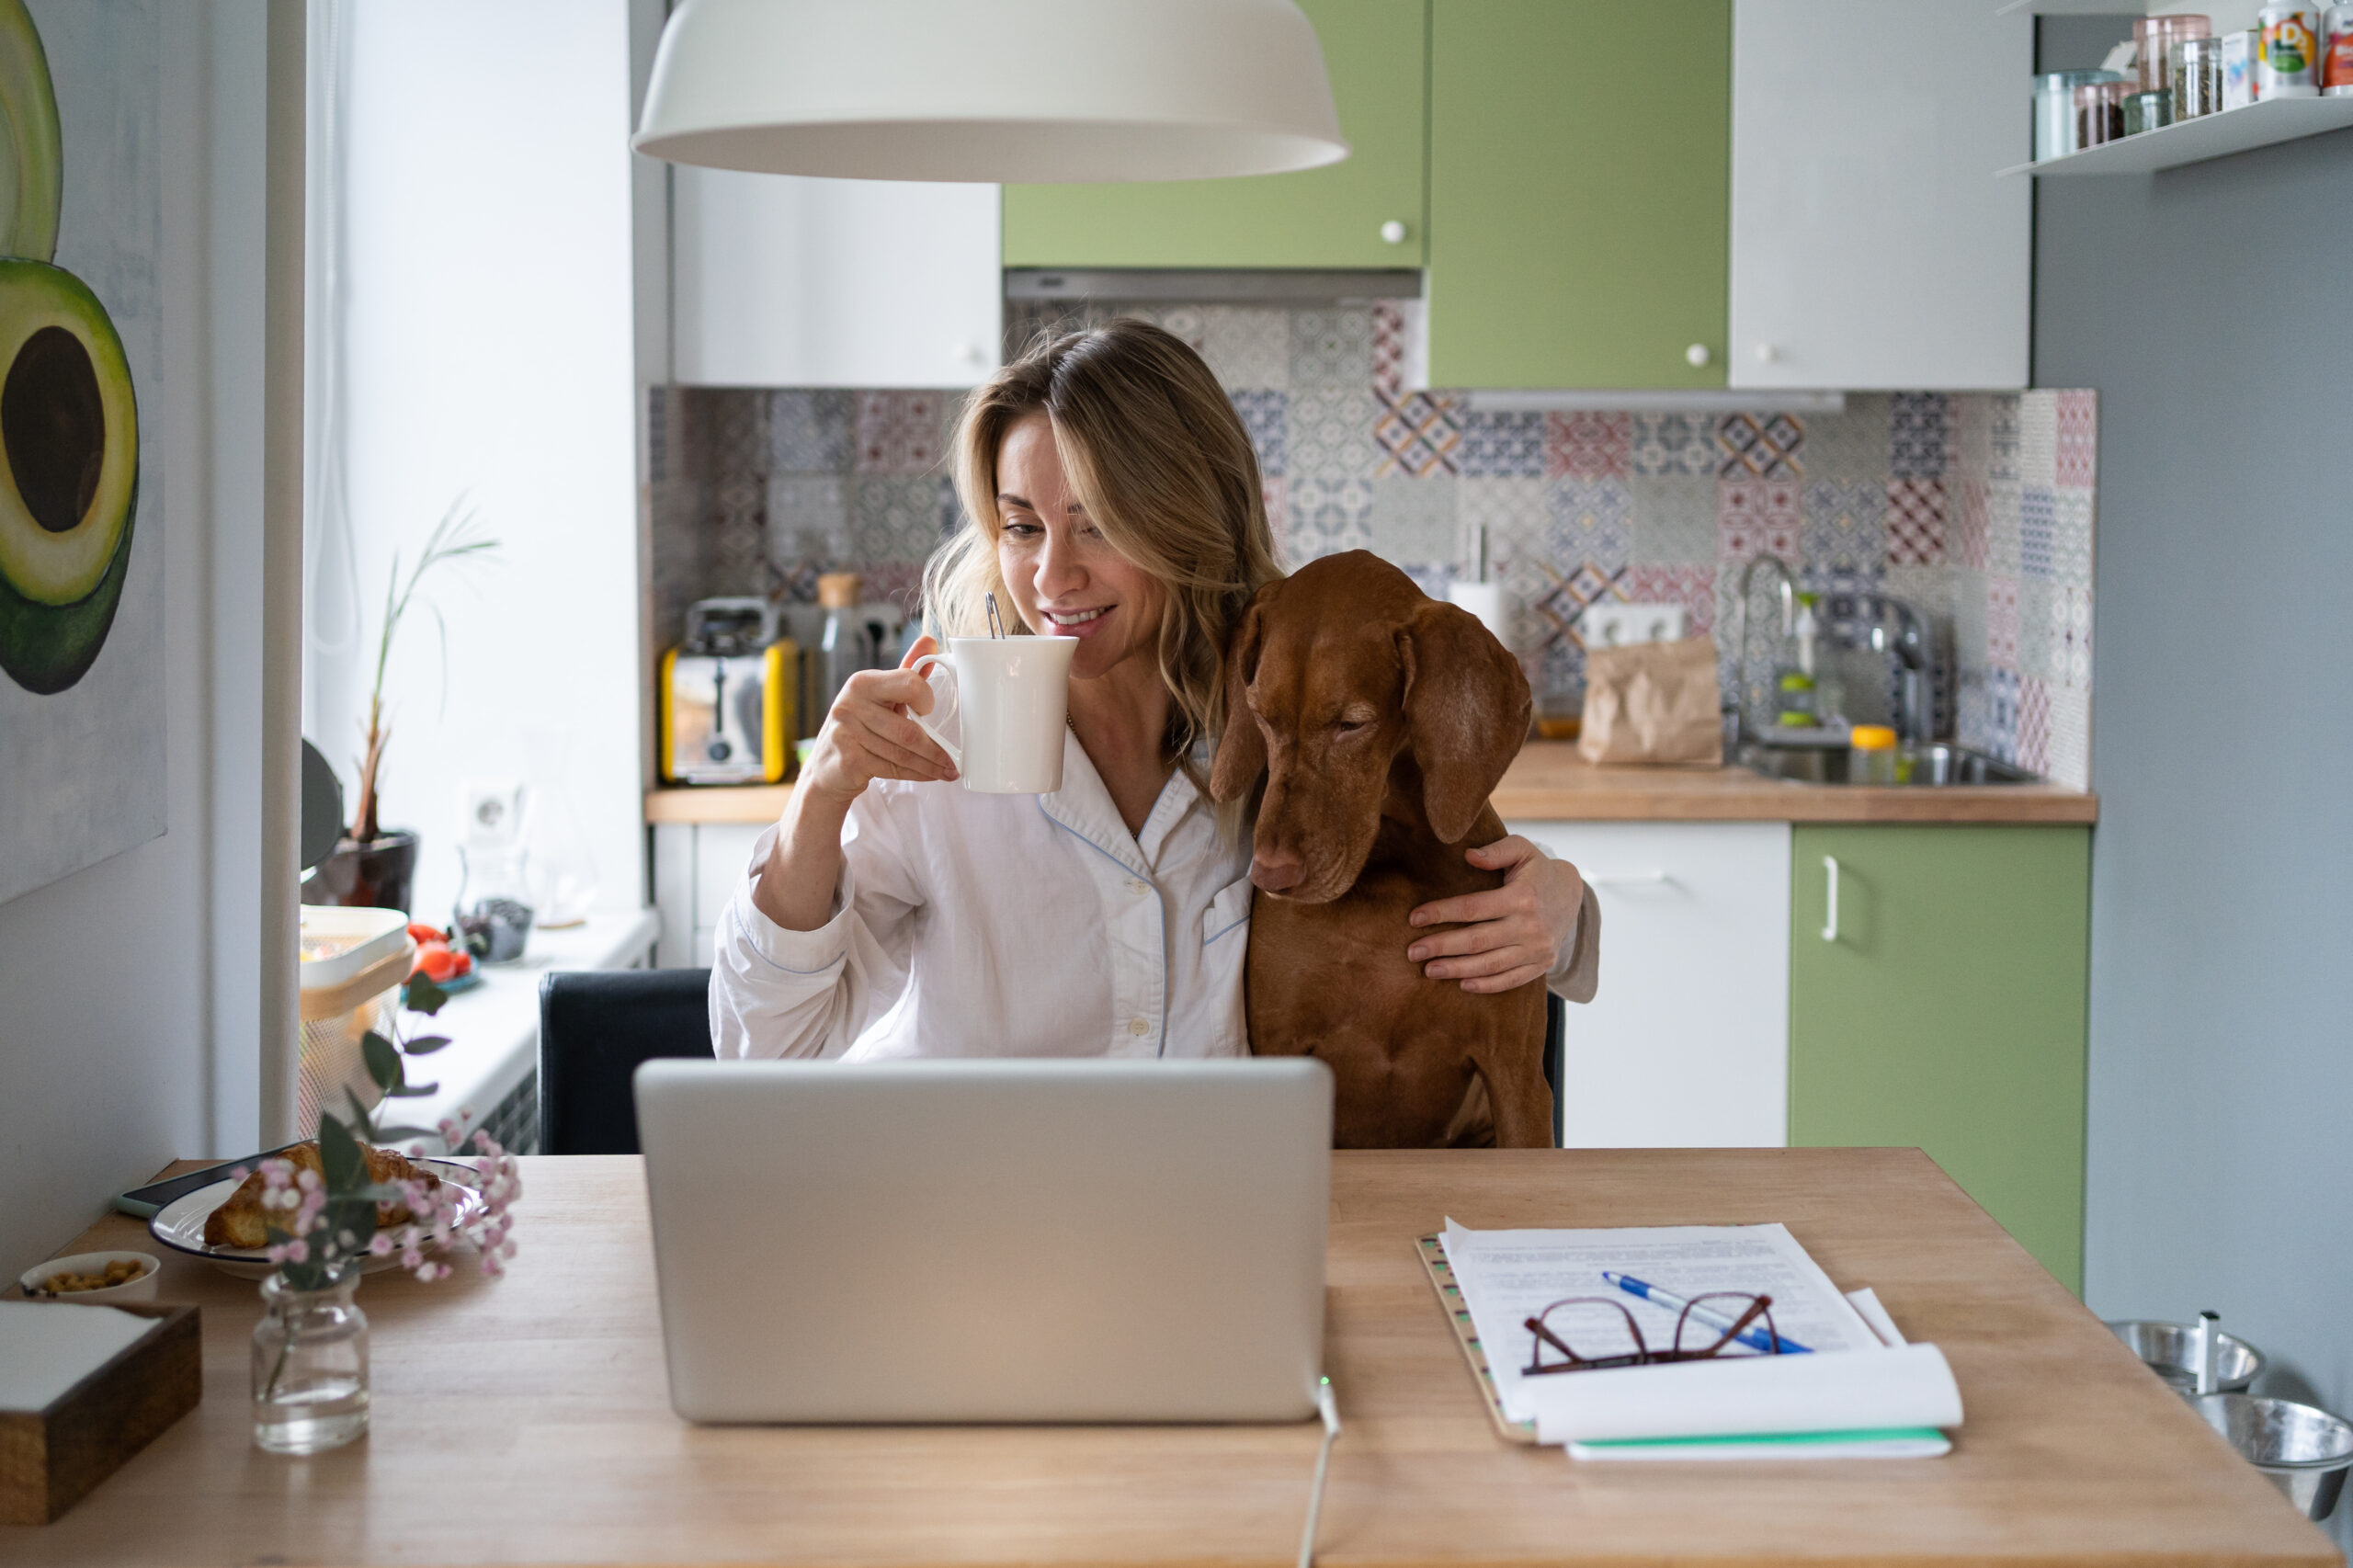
(423, 996)
(383, 1060)
(340, 1158)
(412, 1091)
(403, 1134)
(362, 1117)
(425, 1044)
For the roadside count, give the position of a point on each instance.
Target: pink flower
(381, 1244)
(297, 1251)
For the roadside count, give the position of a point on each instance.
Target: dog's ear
(1241, 749)
(1466, 712)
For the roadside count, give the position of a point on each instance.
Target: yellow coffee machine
(729, 695)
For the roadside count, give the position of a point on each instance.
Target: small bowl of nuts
(105, 1277)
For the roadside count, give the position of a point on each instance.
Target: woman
(1115, 498)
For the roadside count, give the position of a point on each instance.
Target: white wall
(131, 999)
(486, 321)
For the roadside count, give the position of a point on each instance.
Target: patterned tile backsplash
(1976, 508)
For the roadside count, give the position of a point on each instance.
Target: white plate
(179, 1224)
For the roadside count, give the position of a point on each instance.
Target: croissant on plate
(244, 1222)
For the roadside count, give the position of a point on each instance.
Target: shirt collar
(1083, 805)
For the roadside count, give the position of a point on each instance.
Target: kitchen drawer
(1686, 1044)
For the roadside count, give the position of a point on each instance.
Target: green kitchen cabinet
(1943, 1006)
(1330, 217)
(1580, 192)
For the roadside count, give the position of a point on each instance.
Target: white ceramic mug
(1012, 702)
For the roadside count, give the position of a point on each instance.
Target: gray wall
(2211, 305)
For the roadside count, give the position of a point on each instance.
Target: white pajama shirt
(971, 925)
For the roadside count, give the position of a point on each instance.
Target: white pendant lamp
(991, 90)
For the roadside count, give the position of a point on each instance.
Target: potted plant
(370, 866)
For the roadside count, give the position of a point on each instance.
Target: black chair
(1556, 1045)
(595, 1025)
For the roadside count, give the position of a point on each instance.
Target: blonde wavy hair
(1155, 453)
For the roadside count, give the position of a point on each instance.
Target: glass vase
(310, 1371)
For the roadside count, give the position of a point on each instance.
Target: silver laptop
(1039, 1240)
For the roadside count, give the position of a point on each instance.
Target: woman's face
(1065, 578)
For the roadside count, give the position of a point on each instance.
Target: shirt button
(1137, 1026)
(1135, 886)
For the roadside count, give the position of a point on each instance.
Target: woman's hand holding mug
(868, 733)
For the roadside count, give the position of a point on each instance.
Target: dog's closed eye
(1354, 721)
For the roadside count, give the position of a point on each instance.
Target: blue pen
(1755, 1338)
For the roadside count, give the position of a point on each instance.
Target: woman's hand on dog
(1509, 936)
(868, 734)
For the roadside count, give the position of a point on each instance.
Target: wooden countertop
(527, 1419)
(1551, 782)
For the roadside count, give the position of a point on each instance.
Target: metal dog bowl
(2303, 1450)
(2170, 1351)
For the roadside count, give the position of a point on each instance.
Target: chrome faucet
(1789, 590)
(1890, 626)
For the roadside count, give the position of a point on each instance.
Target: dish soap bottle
(1795, 686)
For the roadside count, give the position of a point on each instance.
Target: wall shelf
(2208, 136)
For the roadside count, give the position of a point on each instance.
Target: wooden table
(525, 1420)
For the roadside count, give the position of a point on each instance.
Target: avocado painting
(81, 704)
(69, 420)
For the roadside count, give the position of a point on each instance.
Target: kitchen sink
(1932, 765)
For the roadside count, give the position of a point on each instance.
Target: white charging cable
(1330, 1410)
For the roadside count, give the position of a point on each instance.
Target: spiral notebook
(1920, 1368)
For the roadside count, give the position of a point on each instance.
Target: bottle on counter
(2289, 66)
(1871, 755)
(847, 647)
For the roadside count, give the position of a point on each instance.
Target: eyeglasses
(1727, 1314)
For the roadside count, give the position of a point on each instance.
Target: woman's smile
(1077, 622)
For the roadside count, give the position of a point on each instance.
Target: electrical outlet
(1608, 625)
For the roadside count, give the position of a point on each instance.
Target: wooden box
(50, 1460)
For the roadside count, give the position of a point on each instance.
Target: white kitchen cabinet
(783, 281)
(1687, 1044)
(695, 867)
(1872, 244)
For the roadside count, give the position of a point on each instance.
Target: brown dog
(1381, 720)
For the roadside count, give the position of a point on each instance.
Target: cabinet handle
(1393, 232)
(1697, 356)
(1627, 879)
(1830, 872)
(1766, 353)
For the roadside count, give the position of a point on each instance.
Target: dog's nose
(1275, 873)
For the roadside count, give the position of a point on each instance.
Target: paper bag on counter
(1653, 702)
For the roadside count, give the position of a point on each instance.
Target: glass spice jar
(2198, 78)
(310, 1367)
(2099, 111)
(2147, 111)
(2156, 40)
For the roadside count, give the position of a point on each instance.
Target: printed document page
(1509, 1277)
